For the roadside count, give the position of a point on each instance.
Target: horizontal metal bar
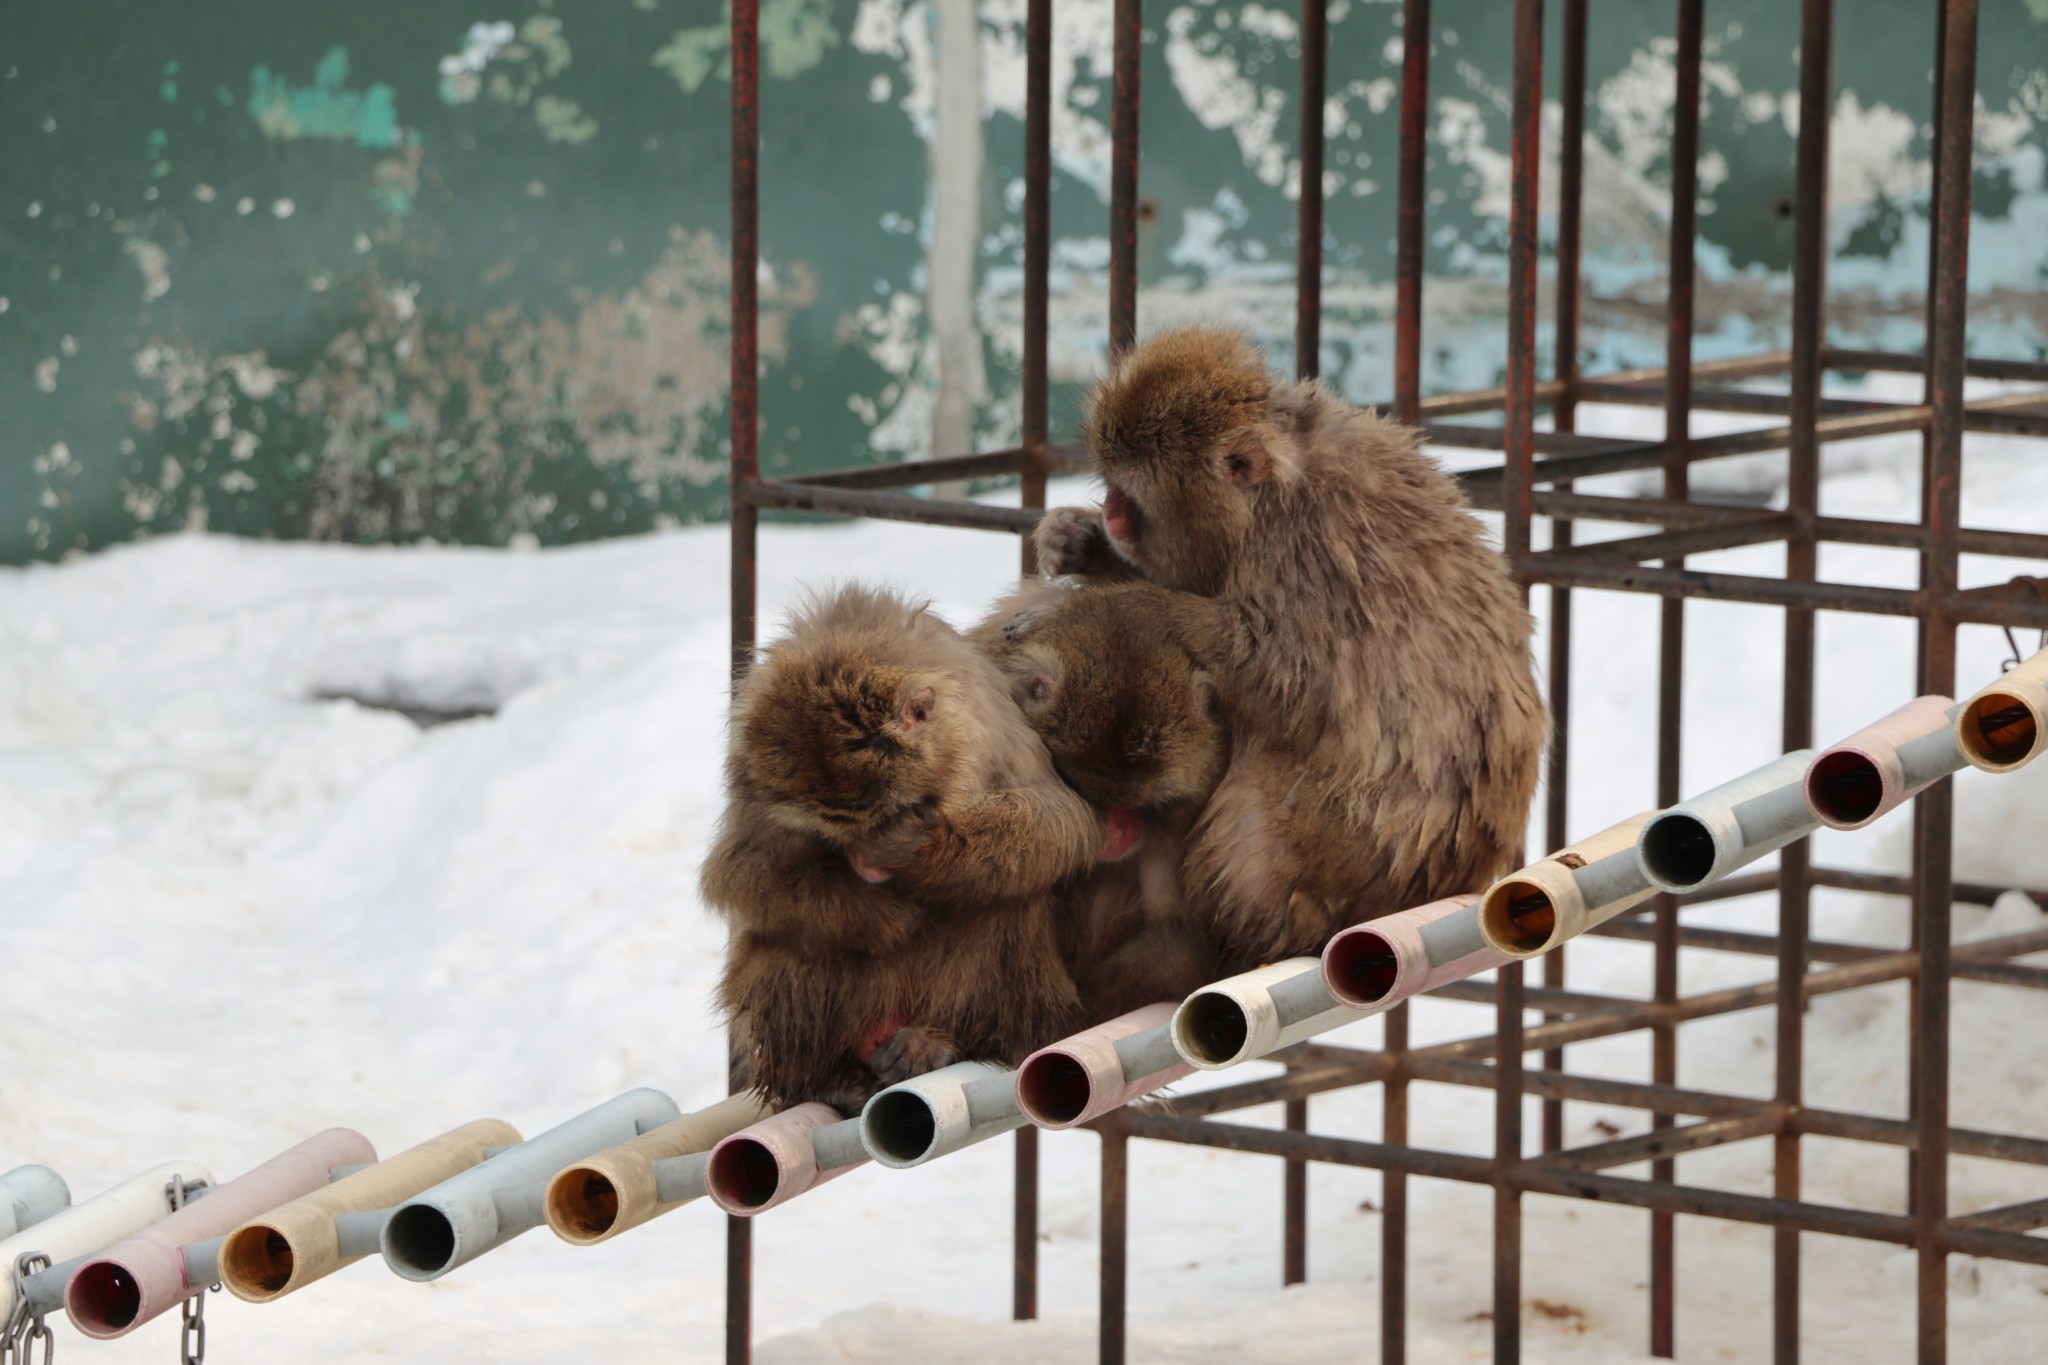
(1831, 1219)
(1555, 443)
(1667, 1142)
(2000, 606)
(1972, 961)
(1896, 884)
(1692, 540)
(1648, 455)
(2003, 1246)
(1910, 362)
(2009, 1218)
(1065, 456)
(792, 496)
(2010, 414)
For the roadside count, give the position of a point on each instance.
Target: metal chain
(192, 1336)
(23, 1329)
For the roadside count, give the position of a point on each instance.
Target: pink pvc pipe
(133, 1281)
(776, 1160)
(1084, 1077)
(1884, 765)
(1376, 965)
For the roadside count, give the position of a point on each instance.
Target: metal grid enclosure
(1535, 479)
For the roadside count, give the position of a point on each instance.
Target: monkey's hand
(876, 858)
(911, 1051)
(1017, 841)
(1071, 540)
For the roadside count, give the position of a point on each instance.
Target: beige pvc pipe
(28, 1195)
(1885, 764)
(2005, 726)
(1374, 966)
(1581, 885)
(108, 1217)
(127, 1285)
(1255, 1013)
(1099, 1069)
(290, 1247)
(772, 1162)
(622, 1187)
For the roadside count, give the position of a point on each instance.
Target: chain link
(192, 1336)
(23, 1329)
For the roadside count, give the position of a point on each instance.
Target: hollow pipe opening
(1520, 915)
(1678, 850)
(1844, 787)
(258, 1258)
(1053, 1087)
(1213, 1027)
(745, 1172)
(585, 1201)
(1999, 728)
(901, 1124)
(103, 1295)
(421, 1239)
(1361, 967)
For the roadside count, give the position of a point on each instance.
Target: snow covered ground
(232, 914)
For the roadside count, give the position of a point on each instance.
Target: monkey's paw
(1071, 540)
(912, 1051)
(1021, 625)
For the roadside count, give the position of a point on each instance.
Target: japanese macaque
(1126, 706)
(1385, 725)
(893, 840)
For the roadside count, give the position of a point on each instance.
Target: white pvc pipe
(28, 1195)
(290, 1247)
(2005, 726)
(1882, 766)
(1581, 885)
(106, 1218)
(1704, 839)
(487, 1206)
(622, 1187)
(135, 1280)
(929, 1116)
(1099, 1069)
(1374, 966)
(772, 1162)
(1256, 1013)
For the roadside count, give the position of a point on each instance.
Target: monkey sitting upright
(1126, 706)
(1385, 725)
(888, 857)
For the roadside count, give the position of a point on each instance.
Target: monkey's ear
(916, 708)
(1041, 688)
(1246, 459)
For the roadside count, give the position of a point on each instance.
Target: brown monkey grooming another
(1129, 713)
(1385, 726)
(893, 837)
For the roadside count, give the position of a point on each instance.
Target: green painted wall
(421, 269)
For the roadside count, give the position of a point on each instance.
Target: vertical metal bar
(1115, 1236)
(1037, 269)
(1507, 1156)
(1024, 1241)
(1408, 241)
(1685, 155)
(1795, 865)
(1416, 32)
(746, 465)
(1308, 251)
(1933, 874)
(1127, 58)
(1294, 1197)
(1571, 166)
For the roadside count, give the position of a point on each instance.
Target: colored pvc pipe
(1587, 883)
(28, 1195)
(772, 1162)
(290, 1247)
(1708, 837)
(487, 1206)
(128, 1284)
(929, 1116)
(1882, 766)
(85, 1229)
(1374, 966)
(1253, 1014)
(622, 1187)
(1100, 1069)
(2005, 726)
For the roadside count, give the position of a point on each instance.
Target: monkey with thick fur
(1128, 711)
(888, 858)
(1385, 724)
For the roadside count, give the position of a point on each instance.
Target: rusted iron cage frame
(1535, 478)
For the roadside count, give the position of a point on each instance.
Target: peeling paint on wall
(326, 108)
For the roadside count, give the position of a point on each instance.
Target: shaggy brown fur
(1384, 722)
(1128, 710)
(888, 859)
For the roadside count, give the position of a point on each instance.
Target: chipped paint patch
(155, 264)
(511, 66)
(326, 109)
(795, 36)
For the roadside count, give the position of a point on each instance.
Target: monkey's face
(1182, 435)
(845, 749)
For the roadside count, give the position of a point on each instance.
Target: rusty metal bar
(1665, 1142)
(912, 473)
(1294, 1203)
(1905, 362)
(2019, 414)
(1692, 540)
(1308, 250)
(1127, 58)
(1024, 1227)
(2010, 1218)
(793, 496)
(1034, 379)
(1115, 1232)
